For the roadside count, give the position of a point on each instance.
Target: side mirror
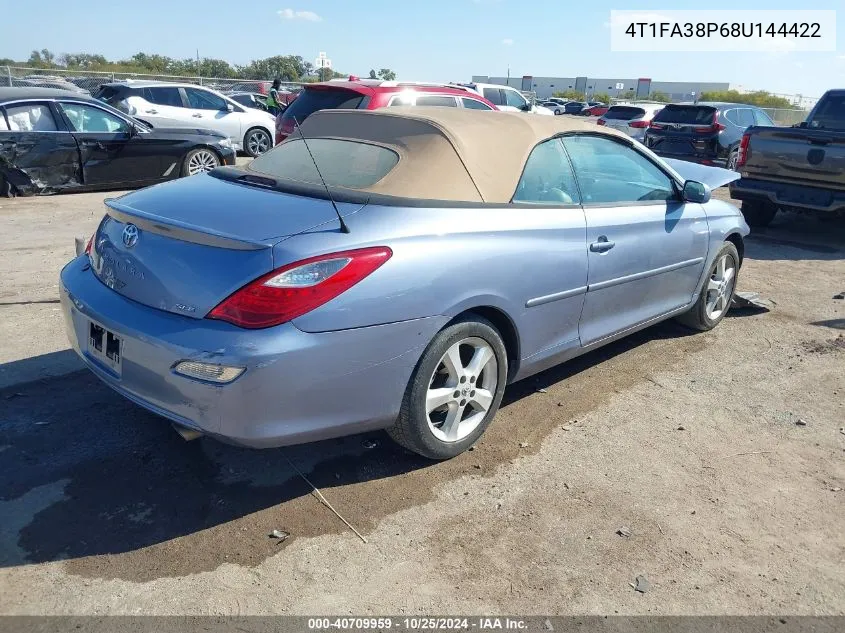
(230, 107)
(526, 107)
(132, 131)
(696, 192)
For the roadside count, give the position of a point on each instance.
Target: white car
(164, 104)
(507, 98)
(631, 118)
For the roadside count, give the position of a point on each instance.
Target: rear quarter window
(309, 101)
(830, 113)
(348, 164)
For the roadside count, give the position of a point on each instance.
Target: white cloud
(507, 41)
(308, 16)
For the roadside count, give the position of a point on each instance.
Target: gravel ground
(722, 453)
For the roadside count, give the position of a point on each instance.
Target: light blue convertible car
(393, 269)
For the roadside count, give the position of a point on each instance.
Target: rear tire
(467, 358)
(717, 293)
(733, 158)
(757, 213)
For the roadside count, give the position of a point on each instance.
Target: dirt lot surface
(723, 454)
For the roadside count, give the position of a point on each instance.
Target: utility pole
(199, 74)
(509, 75)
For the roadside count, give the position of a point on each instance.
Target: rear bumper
(297, 387)
(789, 196)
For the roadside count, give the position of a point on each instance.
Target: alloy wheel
(201, 162)
(257, 143)
(461, 389)
(720, 287)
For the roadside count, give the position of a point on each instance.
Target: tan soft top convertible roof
(448, 153)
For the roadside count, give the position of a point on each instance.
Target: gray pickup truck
(799, 168)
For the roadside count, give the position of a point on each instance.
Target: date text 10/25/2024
(419, 624)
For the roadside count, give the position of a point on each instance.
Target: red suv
(371, 94)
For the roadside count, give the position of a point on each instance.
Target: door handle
(151, 111)
(197, 116)
(96, 144)
(602, 245)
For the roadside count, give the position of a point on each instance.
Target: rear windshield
(688, 115)
(831, 113)
(623, 113)
(347, 164)
(309, 101)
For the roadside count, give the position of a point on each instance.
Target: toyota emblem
(130, 235)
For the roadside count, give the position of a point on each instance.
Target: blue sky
(437, 40)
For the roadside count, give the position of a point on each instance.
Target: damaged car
(54, 141)
(393, 269)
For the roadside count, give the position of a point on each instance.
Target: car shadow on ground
(84, 472)
(793, 236)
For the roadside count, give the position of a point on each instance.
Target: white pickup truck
(506, 98)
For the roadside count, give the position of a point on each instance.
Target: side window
(547, 177)
(515, 99)
(400, 100)
(202, 100)
(746, 117)
(609, 172)
(437, 100)
(732, 116)
(31, 117)
(761, 118)
(163, 96)
(494, 96)
(473, 104)
(85, 118)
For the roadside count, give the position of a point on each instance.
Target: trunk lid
(186, 245)
(801, 155)
(685, 130)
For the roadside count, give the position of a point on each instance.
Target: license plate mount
(105, 347)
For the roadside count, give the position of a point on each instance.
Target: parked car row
(54, 140)
(162, 105)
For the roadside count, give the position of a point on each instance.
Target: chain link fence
(88, 82)
(786, 116)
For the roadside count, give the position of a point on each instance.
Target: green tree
(572, 95)
(386, 74)
(759, 98)
(600, 96)
(662, 97)
(373, 74)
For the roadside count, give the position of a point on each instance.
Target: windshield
(311, 100)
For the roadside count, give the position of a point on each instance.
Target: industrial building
(545, 87)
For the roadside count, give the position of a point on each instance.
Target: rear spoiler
(713, 177)
(181, 230)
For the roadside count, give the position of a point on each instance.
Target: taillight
(601, 122)
(744, 152)
(641, 124)
(654, 126)
(715, 126)
(296, 289)
(89, 245)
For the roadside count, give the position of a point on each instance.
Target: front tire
(716, 295)
(455, 390)
(257, 141)
(200, 161)
(757, 213)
